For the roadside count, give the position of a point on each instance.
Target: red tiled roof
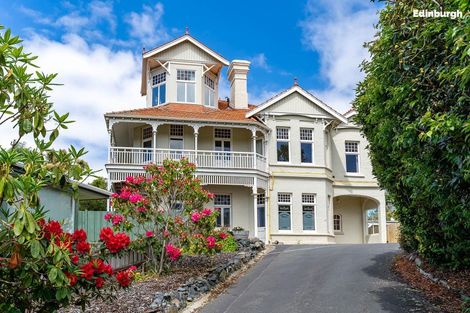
(184, 111)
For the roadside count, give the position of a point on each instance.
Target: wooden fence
(393, 231)
(92, 222)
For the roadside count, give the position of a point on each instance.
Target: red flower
(117, 219)
(173, 252)
(125, 194)
(52, 228)
(210, 242)
(83, 247)
(74, 259)
(141, 209)
(206, 212)
(108, 216)
(106, 233)
(130, 179)
(99, 282)
(79, 235)
(196, 216)
(87, 270)
(72, 278)
(149, 233)
(124, 278)
(210, 195)
(223, 235)
(114, 242)
(135, 197)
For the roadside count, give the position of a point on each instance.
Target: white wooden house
(291, 169)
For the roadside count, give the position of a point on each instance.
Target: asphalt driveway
(334, 278)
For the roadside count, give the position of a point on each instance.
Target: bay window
(158, 89)
(209, 91)
(186, 86)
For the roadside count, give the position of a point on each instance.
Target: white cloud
(260, 61)
(147, 26)
(95, 80)
(337, 30)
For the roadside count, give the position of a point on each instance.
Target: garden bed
(141, 294)
(446, 289)
(188, 279)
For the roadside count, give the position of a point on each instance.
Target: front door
(224, 146)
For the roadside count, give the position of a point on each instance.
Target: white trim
(311, 142)
(282, 231)
(350, 113)
(304, 93)
(358, 173)
(181, 39)
(222, 139)
(288, 145)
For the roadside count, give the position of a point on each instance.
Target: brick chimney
(237, 75)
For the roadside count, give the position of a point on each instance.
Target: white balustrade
(202, 158)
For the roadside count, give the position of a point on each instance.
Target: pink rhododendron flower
(223, 235)
(206, 212)
(108, 216)
(141, 209)
(210, 242)
(125, 194)
(195, 217)
(115, 195)
(135, 197)
(210, 195)
(149, 233)
(130, 179)
(173, 252)
(117, 219)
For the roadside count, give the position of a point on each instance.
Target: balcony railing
(202, 158)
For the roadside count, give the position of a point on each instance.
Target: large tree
(414, 109)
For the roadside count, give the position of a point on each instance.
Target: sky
(95, 47)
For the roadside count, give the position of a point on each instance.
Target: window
(158, 89)
(186, 86)
(308, 211)
(223, 204)
(337, 223)
(222, 140)
(147, 143)
(306, 145)
(260, 200)
(176, 141)
(284, 203)
(352, 156)
(372, 216)
(209, 91)
(282, 136)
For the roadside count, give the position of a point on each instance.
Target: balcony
(202, 158)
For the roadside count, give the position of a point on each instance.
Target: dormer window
(209, 91)
(186, 86)
(158, 89)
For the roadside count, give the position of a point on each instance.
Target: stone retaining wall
(176, 300)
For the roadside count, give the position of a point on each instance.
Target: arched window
(337, 223)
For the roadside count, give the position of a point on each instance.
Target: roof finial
(186, 31)
(296, 81)
(143, 50)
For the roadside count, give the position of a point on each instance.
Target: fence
(92, 222)
(393, 231)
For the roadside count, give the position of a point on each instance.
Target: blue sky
(95, 47)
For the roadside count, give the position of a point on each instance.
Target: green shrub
(413, 107)
(229, 244)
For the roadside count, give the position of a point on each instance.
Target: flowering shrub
(67, 268)
(165, 211)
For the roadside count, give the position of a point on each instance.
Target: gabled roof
(191, 112)
(303, 92)
(350, 112)
(177, 41)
